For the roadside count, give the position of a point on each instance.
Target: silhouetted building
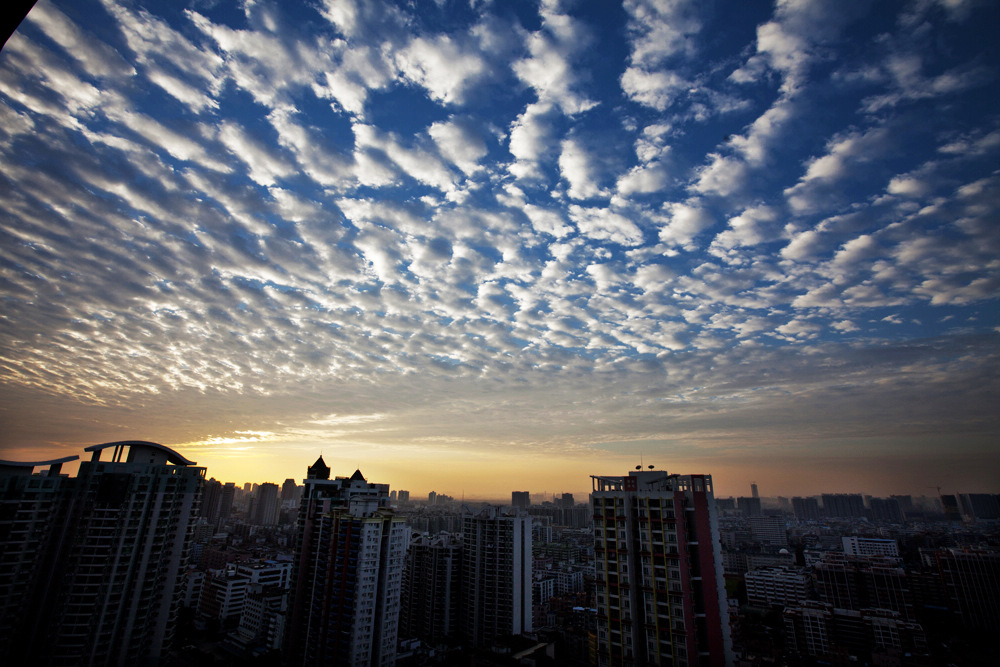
(289, 491)
(749, 506)
(520, 499)
(844, 505)
(34, 515)
(107, 583)
(266, 505)
(858, 582)
(660, 591)
(971, 578)
(347, 578)
(951, 509)
(886, 510)
(980, 506)
(806, 509)
(431, 587)
(496, 576)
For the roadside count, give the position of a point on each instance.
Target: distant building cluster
(898, 580)
(140, 559)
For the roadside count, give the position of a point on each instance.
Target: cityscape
(499, 333)
(142, 559)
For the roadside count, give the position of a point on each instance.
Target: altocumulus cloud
(405, 224)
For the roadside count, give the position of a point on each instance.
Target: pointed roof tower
(357, 476)
(319, 470)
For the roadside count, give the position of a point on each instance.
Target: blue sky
(468, 240)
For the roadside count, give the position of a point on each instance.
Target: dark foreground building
(90, 567)
(347, 575)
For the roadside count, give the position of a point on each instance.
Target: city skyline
(482, 247)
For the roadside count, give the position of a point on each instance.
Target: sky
(476, 247)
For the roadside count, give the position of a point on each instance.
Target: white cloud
(907, 187)
(661, 29)
(658, 90)
(747, 229)
(684, 223)
(413, 160)
(605, 225)
(722, 176)
(320, 162)
(189, 95)
(458, 143)
(266, 165)
(549, 68)
(579, 170)
(531, 137)
(845, 155)
(547, 221)
(97, 59)
(802, 246)
(643, 179)
(441, 66)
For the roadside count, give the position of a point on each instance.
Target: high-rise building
(403, 497)
(289, 489)
(226, 504)
(661, 596)
(34, 514)
(753, 490)
(844, 505)
(863, 582)
(972, 585)
(749, 506)
(806, 509)
(266, 505)
(431, 586)
(496, 575)
(217, 501)
(520, 499)
(886, 510)
(107, 583)
(980, 506)
(347, 577)
(211, 501)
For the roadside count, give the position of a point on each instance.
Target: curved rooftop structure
(139, 451)
(28, 467)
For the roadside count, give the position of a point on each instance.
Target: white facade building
(348, 573)
(870, 546)
(783, 586)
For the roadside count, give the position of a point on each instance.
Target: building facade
(107, 582)
(347, 574)
(496, 576)
(431, 587)
(660, 590)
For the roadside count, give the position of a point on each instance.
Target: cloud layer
(539, 226)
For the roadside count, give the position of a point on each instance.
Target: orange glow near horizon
(493, 474)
